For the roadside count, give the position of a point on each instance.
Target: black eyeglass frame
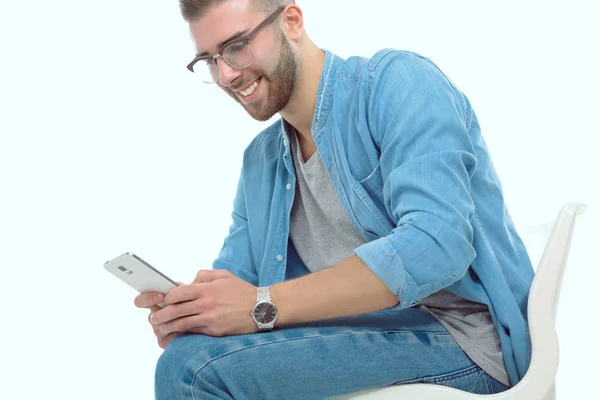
(244, 39)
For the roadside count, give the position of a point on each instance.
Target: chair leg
(551, 395)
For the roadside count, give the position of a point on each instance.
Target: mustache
(243, 85)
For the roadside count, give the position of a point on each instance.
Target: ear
(293, 22)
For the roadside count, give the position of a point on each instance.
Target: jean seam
(443, 377)
(301, 338)
(459, 374)
(488, 382)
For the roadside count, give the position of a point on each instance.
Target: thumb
(209, 275)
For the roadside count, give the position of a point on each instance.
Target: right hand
(151, 300)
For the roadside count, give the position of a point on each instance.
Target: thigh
(316, 360)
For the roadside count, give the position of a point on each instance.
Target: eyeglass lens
(238, 55)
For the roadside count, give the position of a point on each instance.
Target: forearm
(347, 288)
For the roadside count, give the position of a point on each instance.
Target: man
(392, 260)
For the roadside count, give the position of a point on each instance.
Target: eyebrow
(225, 42)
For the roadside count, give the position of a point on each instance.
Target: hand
(216, 303)
(151, 300)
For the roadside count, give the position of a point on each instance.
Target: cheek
(262, 68)
(266, 54)
(256, 68)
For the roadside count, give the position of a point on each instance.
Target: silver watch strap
(263, 294)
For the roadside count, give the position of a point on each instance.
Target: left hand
(216, 303)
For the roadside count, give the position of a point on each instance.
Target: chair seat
(417, 391)
(423, 391)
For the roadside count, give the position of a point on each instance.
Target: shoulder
(390, 73)
(398, 58)
(406, 69)
(384, 60)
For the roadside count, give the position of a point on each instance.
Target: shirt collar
(329, 73)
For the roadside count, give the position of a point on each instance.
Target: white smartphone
(140, 275)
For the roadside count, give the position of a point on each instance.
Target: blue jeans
(319, 360)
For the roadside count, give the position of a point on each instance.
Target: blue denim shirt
(405, 154)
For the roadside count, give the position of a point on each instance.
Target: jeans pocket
(472, 380)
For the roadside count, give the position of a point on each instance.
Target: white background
(108, 144)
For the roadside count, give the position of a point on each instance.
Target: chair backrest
(542, 306)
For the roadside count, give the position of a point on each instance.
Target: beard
(281, 85)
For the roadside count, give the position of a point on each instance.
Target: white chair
(539, 381)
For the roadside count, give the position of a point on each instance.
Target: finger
(153, 309)
(183, 293)
(175, 311)
(208, 331)
(148, 299)
(165, 340)
(209, 275)
(186, 323)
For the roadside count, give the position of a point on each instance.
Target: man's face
(266, 86)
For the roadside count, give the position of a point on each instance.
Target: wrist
(284, 316)
(264, 313)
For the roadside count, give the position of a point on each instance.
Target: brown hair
(192, 10)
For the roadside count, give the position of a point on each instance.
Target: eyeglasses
(237, 54)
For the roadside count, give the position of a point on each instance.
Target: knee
(186, 369)
(172, 377)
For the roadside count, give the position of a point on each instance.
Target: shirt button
(285, 142)
(279, 258)
(288, 186)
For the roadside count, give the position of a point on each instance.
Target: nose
(227, 73)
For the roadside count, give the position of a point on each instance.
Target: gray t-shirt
(323, 236)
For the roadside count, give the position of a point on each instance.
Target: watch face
(265, 313)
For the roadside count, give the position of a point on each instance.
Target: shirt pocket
(373, 183)
(368, 204)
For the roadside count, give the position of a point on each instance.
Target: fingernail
(152, 317)
(162, 328)
(158, 298)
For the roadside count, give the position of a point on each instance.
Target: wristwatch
(264, 312)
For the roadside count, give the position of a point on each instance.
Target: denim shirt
(405, 154)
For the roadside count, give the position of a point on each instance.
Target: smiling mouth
(248, 91)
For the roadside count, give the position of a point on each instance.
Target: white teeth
(250, 90)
